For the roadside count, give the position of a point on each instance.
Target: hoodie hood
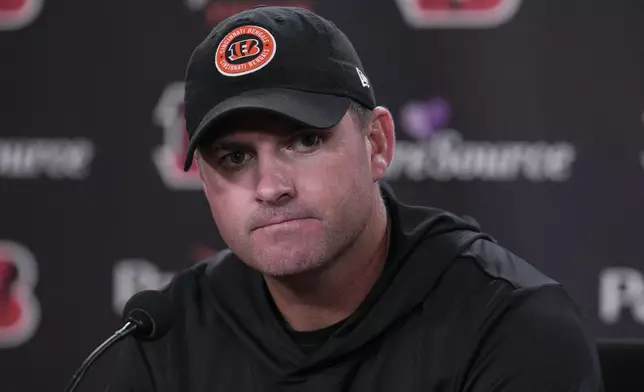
(423, 243)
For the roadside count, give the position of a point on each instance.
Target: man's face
(287, 199)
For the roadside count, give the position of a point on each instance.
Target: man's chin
(282, 266)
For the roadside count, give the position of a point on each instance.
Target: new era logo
(363, 78)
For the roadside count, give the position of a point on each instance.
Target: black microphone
(147, 316)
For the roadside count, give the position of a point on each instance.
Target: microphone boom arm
(118, 335)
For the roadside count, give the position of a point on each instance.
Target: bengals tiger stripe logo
(244, 50)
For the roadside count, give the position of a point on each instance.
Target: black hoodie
(452, 311)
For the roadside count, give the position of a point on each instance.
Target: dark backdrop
(525, 115)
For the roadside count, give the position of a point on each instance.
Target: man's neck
(326, 297)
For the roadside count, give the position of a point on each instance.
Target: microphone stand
(118, 335)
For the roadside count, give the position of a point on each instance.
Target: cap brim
(309, 109)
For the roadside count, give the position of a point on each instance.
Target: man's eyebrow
(229, 145)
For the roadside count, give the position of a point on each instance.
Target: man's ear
(382, 141)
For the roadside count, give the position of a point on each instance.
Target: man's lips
(277, 221)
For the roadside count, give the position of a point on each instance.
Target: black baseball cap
(286, 60)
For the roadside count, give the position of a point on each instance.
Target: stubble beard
(311, 259)
(313, 256)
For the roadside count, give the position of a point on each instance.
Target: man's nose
(275, 183)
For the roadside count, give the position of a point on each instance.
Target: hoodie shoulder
(532, 335)
(529, 333)
(498, 263)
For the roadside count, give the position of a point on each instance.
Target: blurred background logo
(216, 11)
(441, 153)
(19, 309)
(16, 14)
(621, 291)
(169, 157)
(55, 159)
(457, 13)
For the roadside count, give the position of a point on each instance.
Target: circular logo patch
(244, 50)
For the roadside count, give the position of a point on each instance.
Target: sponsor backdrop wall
(525, 115)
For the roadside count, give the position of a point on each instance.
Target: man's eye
(306, 141)
(232, 159)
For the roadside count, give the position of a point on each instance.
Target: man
(330, 283)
